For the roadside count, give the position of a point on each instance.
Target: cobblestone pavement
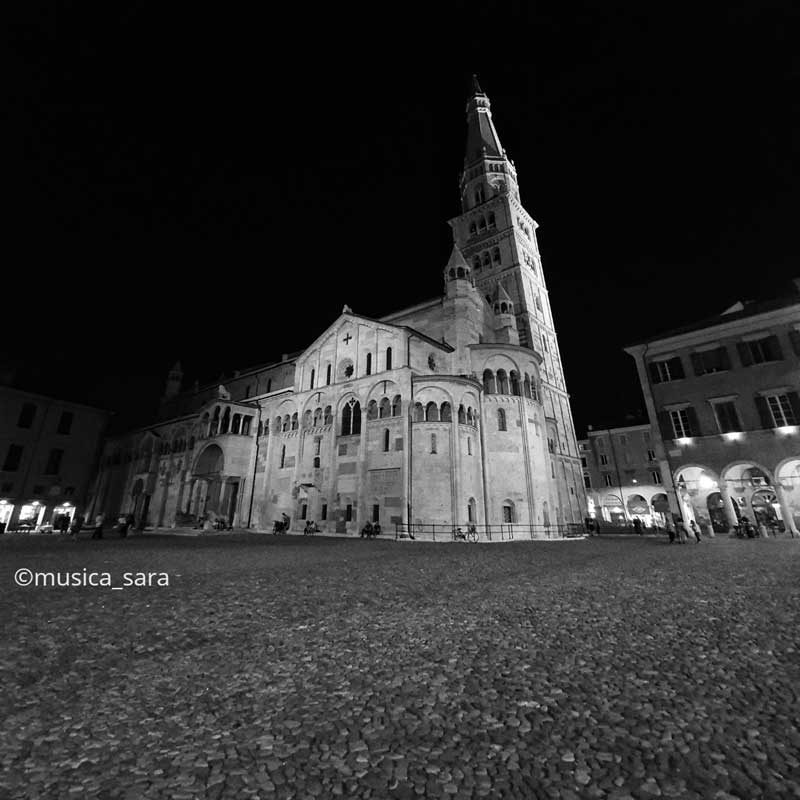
(314, 668)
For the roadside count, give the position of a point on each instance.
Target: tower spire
(476, 87)
(482, 139)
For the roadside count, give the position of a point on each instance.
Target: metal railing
(503, 532)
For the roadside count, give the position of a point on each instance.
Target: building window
(324, 513)
(388, 358)
(583, 462)
(669, 370)
(369, 363)
(759, 351)
(508, 512)
(727, 418)
(623, 439)
(651, 455)
(283, 456)
(603, 459)
(710, 361)
(433, 443)
(328, 375)
(681, 427)
(303, 510)
(316, 462)
(587, 481)
(269, 385)
(608, 480)
(376, 513)
(311, 382)
(780, 407)
(501, 420)
(26, 415)
(348, 513)
(351, 418)
(65, 423)
(13, 457)
(469, 446)
(656, 476)
(386, 441)
(54, 461)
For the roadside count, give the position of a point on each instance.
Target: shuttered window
(759, 351)
(710, 361)
(727, 417)
(668, 370)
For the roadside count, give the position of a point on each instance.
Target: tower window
(311, 382)
(26, 415)
(433, 443)
(369, 363)
(328, 376)
(348, 513)
(386, 441)
(501, 420)
(283, 457)
(388, 358)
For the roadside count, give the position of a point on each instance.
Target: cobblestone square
(311, 668)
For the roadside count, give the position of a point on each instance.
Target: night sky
(212, 184)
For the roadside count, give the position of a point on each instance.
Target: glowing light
(684, 440)
(787, 430)
(634, 480)
(705, 482)
(733, 436)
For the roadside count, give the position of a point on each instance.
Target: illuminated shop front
(31, 515)
(6, 510)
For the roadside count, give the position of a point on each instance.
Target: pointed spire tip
(476, 87)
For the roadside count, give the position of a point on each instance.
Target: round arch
(210, 461)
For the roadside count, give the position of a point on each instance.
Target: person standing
(695, 530)
(99, 521)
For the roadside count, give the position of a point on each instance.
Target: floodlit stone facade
(449, 412)
(724, 395)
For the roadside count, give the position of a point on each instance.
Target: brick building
(449, 412)
(48, 449)
(724, 395)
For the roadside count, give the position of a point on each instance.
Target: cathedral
(451, 412)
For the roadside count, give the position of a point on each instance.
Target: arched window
(508, 512)
(287, 421)
(419, 412)
(482, 224)
(385, 409)
(492, 221)
(283, 456)
(501, 420)
(502, 382)
(328, 418)
(277, 424)
(397, 406)
(386, 441)
(479, 195)
(347, 420)
(294, 421)
(317, 420)
(496, 255)
(460, 272)
(526, 385)
(328, 375)
(191, 442)
(369, 363)
(311, 382)
(538, 302)
(246, 422)
(462, 415)
(307, 418)
(473, 229)
(236, 423)
(356, 418)
(372, 410)
(388, 358)
(489, 386)
(214, 423)
(433, 443)
(226, 421)
(431, 412)
(476, 263)
(260, 428)
(487, 261)
(446, 413)
(471, 507)
(269, 385)
(503, 308)
(266, 427)
(534, 391)
(469, 445)
(515, 382)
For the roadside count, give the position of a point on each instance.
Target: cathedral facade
(451, 412)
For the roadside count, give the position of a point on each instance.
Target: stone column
(786, 509)
(730, 511)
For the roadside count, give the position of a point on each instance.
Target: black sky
(212, 184)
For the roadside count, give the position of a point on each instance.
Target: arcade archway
(752, 493)
(787, 487)
(693, 486)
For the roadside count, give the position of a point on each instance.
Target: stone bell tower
(497, 238)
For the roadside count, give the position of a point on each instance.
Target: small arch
(397, 406)
(226, 421)
(388, 358)
(509, 512)
(433, 443)
(471, 510)
(260, 428)
(384, 409)
(476, 263)
(386, 440)
(469, 445)
(496, 255)
(311, 382)
(492, 220)
(489, 385)
(473, 229)
(287, 423)
(328, 375)
(446, 412)
(328, 417)
(502, 382)
(487, 261)
(471, 420)
(460, 272)
(372, 410)
(526, 385)
(269, 385)
(452, 273)
(503, 308)
(501, 420)
(317, 419)
(236, 423)
(419, 412)
(307, 418)
(515, 383)
(462, 415)
(431, 412)
(294, 421)
(283, 456)
(369, 363)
